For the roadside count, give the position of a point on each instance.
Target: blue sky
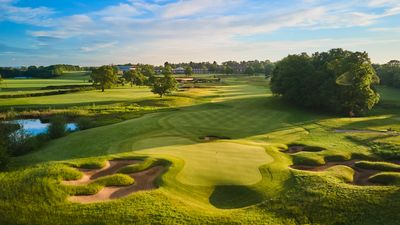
(39, 32)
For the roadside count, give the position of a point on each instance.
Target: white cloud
(98, 46)
(36, 16)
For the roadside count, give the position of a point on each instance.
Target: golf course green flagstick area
(220, 153)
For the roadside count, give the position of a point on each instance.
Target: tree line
(337, 81)
(229, 67)
(38, 72)
(389, 73)
(105, 77)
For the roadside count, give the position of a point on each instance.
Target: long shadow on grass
(230, 197)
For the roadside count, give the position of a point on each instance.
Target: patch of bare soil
(214, 138)
(360, 175)
(144, 180)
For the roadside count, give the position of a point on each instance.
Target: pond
(35, 126)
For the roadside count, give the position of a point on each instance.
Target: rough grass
(386, 178)
(382, 166)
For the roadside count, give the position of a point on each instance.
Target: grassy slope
(244, 111)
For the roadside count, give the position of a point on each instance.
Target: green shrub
(383, 166)
(386, 178)
(84, 123)
(57, 127)
(115, 180)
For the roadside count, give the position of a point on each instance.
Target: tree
(336, 81)
(249, 70)
(104, 77)
(135, 77)
(164, 85)
(188, 71)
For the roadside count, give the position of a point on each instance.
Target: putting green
(217, 163)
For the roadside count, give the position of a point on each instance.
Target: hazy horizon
(136, 31)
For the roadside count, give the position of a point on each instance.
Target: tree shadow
(232, 197)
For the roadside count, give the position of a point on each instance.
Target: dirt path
(144, 180)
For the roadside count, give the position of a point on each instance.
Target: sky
(98, 32)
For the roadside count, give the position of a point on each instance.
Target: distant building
(123, 69)
(179, 70)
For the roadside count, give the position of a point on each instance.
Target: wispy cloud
(180, 30)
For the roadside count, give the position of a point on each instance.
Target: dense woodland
(337, 81)
(389, 73)
(38, 72)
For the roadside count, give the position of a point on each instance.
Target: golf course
(222, 153)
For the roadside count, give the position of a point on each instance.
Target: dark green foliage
(38, 72)
(188, 71)
(84, 123)
(336, 81)
(389, 73)
(249, 70)
(104, 77)
(57, 127)
(4, 154)
(386, 150)
(166, 84)
(135, 77)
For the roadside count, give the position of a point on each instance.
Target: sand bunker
(144, 180)
(360, 175)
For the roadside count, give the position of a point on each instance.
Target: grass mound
(115, 180)
(89, 164)
(386, 178)
(69, 173)
(308, 159)
(382, 166)
(149, 162)
(343, 173)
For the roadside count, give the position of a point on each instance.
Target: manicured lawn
(244, 179)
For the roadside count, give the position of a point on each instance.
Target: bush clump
(84, 123)
(57, 127)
